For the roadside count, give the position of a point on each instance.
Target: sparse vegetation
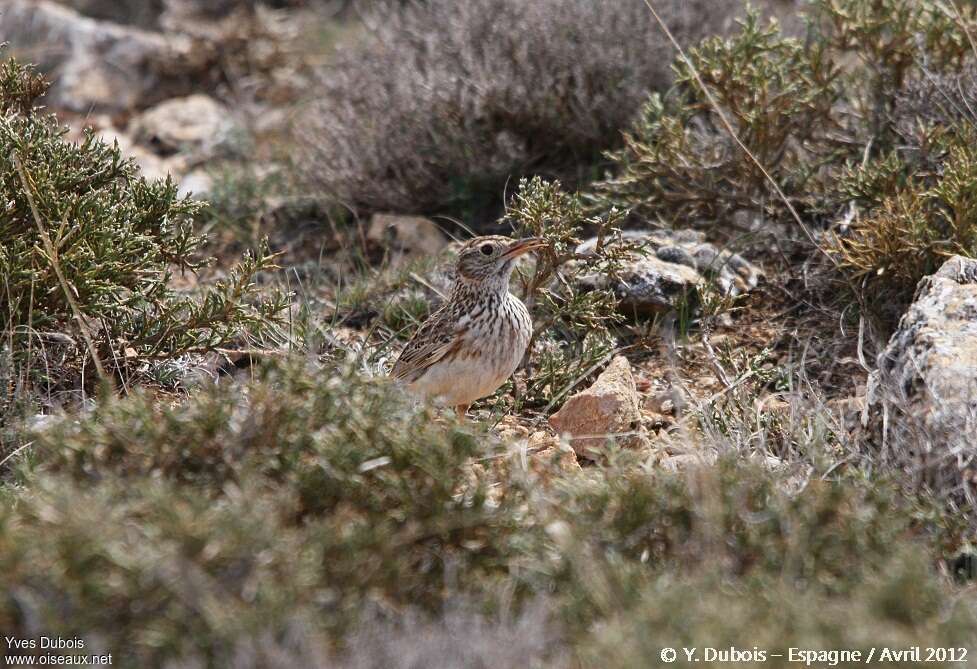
(917, 222)
(296, 508)
(840, 121)
(576, 338)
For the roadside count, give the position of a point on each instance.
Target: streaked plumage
(475, 341)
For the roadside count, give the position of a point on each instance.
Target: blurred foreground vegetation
(274, 520)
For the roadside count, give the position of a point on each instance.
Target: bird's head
(492, 258)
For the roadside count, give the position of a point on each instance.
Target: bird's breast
(494, 337)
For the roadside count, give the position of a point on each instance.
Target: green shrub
(917, 211)
(892, 41)
(773, 615)
(574, 326)
(863, 123)
(573, 336)
(679, 164)
(79, 221)
(935, 100)
(167, 530)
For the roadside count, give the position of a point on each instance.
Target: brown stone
(196, 124)
(607, 411)
(95, 65)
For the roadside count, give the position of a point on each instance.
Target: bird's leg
(461, 410)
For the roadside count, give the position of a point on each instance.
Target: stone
(669, 276)
(151, 166)
(928, 370)
(662, 402)
(653, 421)
(553, 460)
(404, 237)
(609, 410)
(509, 429)
(197, 184)
(95, 66)
(196, 125)
(547, 456)
(648, 286)
(540, 455)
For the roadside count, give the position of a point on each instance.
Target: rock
(196, 184)
(648, 286)
(653, 421)
(509, 429)
(546, 456)
(151, 166)
(669, 276)
(929, 368)
(403, 237)
(553, 460)
(662, 402)
(95, 66)
(540, 455)
(196, 125)
(609, 407)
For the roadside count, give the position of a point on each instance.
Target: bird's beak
(521, 246)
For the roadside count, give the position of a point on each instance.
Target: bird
(469, 347)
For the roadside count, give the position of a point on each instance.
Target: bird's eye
(487, 249)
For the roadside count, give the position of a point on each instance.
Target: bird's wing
(432, 342)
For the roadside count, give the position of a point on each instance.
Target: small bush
(891, 40)
(678, 162)
(912, 232)
(933, 100)
(573, 336)
(448, 100)
(573, 326)
(866, 123)
(79, 221)
(772, 615)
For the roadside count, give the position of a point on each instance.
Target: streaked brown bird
(475, 341)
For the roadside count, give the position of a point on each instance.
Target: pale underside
(471, 360)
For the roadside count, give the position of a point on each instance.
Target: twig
(11, 456)
(53, 255)
(427, 284)
(714, 362)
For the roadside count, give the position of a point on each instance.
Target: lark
(475, 341)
